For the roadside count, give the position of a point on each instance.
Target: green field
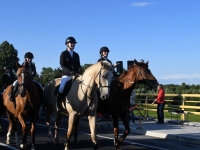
(167, 115)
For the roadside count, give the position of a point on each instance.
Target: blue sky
(164, 32)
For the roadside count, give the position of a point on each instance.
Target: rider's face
(104, 54)
(29, 60)
(70, 46)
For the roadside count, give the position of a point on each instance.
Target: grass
(167, 115)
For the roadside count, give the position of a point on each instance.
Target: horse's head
(143, 73)
(23, 77)
(105, 76)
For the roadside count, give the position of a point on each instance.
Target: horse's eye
(105, 75)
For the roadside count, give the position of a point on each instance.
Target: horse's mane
(122, 75)
(105, 65)
(136, 63)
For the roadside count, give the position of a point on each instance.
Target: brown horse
(118, 103)
(81, 99)
(26, 104)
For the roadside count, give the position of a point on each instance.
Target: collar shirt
(71, 53)
(161, 96)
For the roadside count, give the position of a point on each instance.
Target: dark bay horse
(26, 104)
(118, 103)
(81, 100)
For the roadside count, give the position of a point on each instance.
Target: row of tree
(9, 56)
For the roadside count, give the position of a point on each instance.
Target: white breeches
(64, 80)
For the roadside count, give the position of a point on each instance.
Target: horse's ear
(135, 61)
(18, 65)
(102, 63)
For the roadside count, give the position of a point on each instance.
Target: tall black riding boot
(59, 98)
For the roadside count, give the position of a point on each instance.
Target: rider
(70, 64)
(8, 78)
(28, 58)
(104, 56)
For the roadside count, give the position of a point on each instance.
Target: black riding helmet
(29, 55)
(70, 40)
(104, 49)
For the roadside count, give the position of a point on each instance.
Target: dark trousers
(160, 112)
(131, 115)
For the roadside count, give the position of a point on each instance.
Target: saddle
(16, 91)
(66, 89)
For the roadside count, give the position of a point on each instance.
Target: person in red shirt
(160, 99)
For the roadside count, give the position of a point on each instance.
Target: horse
(118, 103)
(81, 99)
(26, 104)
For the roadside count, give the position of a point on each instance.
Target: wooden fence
(189, 103)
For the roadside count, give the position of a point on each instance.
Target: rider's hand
(77, 75)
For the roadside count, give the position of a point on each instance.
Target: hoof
(96, 146)
(7, 141)
(117, 147)
(22, 146)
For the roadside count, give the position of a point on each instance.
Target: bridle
(100, 84)
(95, 94)
(132, 82)
(22, 84)
(138, 73)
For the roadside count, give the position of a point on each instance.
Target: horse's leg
(32, 129)
(10, 122)
(49, 111)
(124, 119)
(75, 131)
(12, 127)
(57, 124)
(92, 124)
(69, 131)
(115, 121)
(24, 130)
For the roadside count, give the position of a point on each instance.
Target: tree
(8, 57)
(47, 74)
(84, 67)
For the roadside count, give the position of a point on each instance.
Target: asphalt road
(105, 139)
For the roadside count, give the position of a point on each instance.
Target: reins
(82, 83)
(95, 94)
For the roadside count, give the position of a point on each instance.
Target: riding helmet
(29, 55)
(104, 49)
(70, 39)
(6, 68)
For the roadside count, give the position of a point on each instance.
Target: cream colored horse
(81, 99)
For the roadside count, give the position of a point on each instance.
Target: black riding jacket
(69, 65)
(32, 69)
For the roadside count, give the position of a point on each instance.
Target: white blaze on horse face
(105, 81)
(22, 74)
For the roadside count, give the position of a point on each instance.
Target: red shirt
(161, 96)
